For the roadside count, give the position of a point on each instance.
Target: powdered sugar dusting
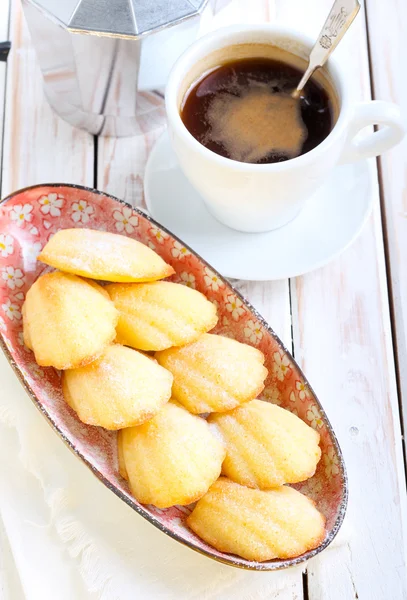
(103, 255)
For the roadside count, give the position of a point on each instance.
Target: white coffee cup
(261, 197)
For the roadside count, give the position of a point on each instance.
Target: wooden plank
(326, 578)
(121, 165)
(387, 23)
(39, 147)
(342, 338)
(4, 35)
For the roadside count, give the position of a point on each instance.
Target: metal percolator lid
(123, 18)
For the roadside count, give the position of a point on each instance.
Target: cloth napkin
(58, 520)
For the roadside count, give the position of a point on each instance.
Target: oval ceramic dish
(28, 218)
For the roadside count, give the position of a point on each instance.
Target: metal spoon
(338, 22)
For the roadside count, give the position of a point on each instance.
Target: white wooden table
(346, 323)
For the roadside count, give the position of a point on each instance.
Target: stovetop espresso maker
(105, 62)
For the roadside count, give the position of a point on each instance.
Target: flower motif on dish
(82, 212)
(188, 279)
(12, 311)
(212, 280)
(330, 461)
(179, 251)
(281, 366)
(273, 395)
(253, 332)
(6, 245)
(14, 278)
(303, 391)
(21, 213)
(159, 235)
(32, 251)
(51, 204)
(235, 306)
(314, 418)
(125, 219)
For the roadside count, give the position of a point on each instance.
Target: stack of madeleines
(137, 357)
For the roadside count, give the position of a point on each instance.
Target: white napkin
(29, 546)
(56, 517)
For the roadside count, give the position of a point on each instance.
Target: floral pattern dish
(28, 218)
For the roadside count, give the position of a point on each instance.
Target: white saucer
(330, 221)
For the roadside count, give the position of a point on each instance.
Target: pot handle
(4, 50)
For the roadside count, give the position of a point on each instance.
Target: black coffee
(243, 110)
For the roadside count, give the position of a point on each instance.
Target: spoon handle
(338, 22)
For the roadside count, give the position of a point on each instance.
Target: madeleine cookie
(171, 459)
(67, 321)
(214, 374)
(155, 316)
(266, 445)
(122, 388)
(257, 525)
(102, 255)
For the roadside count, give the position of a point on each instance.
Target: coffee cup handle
(376, 112)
